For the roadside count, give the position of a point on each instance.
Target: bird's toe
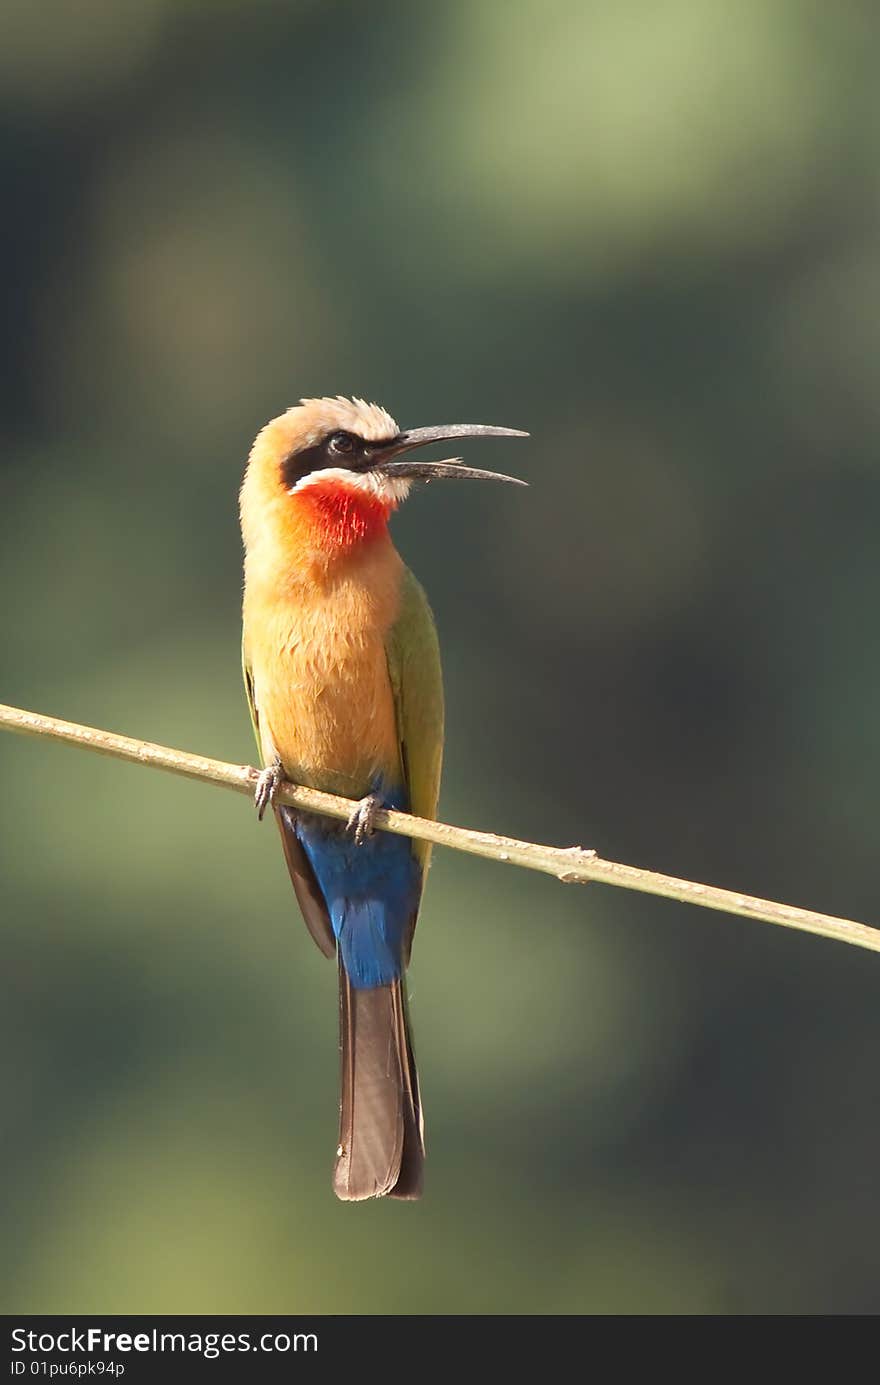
(267, 787)
(362, 819)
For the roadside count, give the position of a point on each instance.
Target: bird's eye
(341, 443)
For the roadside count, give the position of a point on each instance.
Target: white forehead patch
(322, 416)
(390, 490)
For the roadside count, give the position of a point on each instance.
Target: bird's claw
(267, 787)
(362, 819)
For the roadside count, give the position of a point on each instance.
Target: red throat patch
(340, 517)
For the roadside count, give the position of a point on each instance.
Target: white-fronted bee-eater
(342, 671)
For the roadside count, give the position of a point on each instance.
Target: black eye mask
(338, 449)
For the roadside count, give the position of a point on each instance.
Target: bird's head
(327, 474)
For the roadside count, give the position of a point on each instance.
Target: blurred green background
(649, 234)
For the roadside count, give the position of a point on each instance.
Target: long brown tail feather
(381, 1147)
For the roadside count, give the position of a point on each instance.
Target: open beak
(450, 467)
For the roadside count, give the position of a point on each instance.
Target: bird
(342, 673)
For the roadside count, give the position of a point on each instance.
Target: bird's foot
(362, 819)
(267, 787)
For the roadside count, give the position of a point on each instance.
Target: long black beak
(450, 467)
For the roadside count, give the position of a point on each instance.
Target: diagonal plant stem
(570, 864)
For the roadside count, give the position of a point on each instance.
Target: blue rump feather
(371, 892)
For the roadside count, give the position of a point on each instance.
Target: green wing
(249, 690)
(417, 684)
